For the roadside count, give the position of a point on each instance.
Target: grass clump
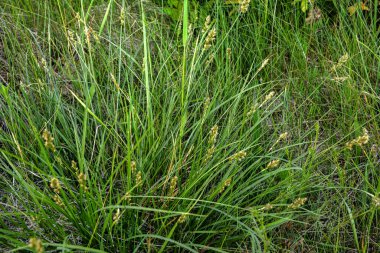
(255, 130)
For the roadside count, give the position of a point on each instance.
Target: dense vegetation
(189, 126)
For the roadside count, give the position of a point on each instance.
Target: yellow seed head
(44, 64)
(36, 244)
(363, 139)
(173, 185)
(210, 59)
(359, 141)
(88, 31)
(138, 178)
(82, 178)
(225, 185)
(267, 207)
(252, 110)
(283, 136)
(82, 181)
(229, 52)
(114, 81)
(58, 160)
(127, 197)
(376, 201)
(116, 216)
(244, 4)
(213, 134)
(122, 16)
(342, 60)
(133, 167)
(74, 166)
(209, 39)
(210, 153)
(263, 64)
(238, 156)
(58, 200)
(340, 78)
(297, 203)
(269, 96)
(350, 145)
(182, 218)
(77, 17)
(206, 105)
(55, 185)
(48, 138)
(273, 164)
(70, 36)
(206, 25)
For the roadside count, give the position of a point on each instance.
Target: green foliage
(118, 136)
(198, 10)
(304, 4)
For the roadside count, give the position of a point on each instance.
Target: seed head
(253, 109)
(206, 25)
(376, 201)
(48, 138)
(58, 200)
(269, 96)
(122, 16)
(71, 37)
(297, 203)
(363, 139)
(225, 185)
(267, 207)
(359, 141)
(213, 134)
(116, 216)
(210, 153)
(283, 136)
(173, 185)
(115, 82)
(229, 52)
(315, 14)
(55, 185)
(263, 64)
(273, 164)
(342, 60)
(127, 197)
(36, 244)
(244, 4)
(133, 167)
(44, 64)
(182, 218)
(74, 166)
(206, 105)
(209, 39)
(82, 181)
(210, 59)
(138, 178)
(238, 156)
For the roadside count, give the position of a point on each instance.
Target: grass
(122, 132)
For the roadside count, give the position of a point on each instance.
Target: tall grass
(124, 133)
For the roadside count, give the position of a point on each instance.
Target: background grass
(163, 146)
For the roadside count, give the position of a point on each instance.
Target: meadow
(189, 126)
